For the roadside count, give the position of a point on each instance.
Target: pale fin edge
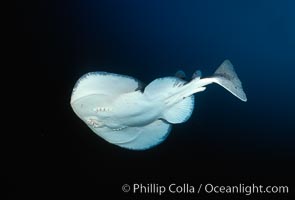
(136, 138)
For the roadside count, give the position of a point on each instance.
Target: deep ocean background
(48, 151)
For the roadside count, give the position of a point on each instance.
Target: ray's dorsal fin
(180, 74)
(197, 74)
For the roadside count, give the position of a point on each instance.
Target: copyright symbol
(126, 188)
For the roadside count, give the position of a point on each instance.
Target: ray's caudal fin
(226, 76)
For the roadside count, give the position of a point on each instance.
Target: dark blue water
(225, 141)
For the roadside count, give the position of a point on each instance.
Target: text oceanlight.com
(209, 188)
